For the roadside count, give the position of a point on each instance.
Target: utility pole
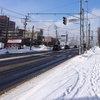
(7, 28)
(87, 27)
(66, 38)
(42, 35)
(82, 30)
(56, 35)
(25, 23)
(31, 39)
(89, 36)
(92, 36)
(80, 49)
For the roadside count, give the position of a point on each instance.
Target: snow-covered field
(75, 79)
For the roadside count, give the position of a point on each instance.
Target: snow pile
(75, 79)
(41, 48)
(3, 51)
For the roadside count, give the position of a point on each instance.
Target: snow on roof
(14, 41)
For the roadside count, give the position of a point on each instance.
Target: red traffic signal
(64, 20)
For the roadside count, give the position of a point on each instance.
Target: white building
(63, 39)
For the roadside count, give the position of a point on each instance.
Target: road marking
(22, 56)
(4, 68)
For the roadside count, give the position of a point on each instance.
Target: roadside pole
(31, 39)
(83, 31)
(6, 36)
(89, 36)
(56, 35)
(80, 48)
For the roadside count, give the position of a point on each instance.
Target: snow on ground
(75, 79)
(25, 49)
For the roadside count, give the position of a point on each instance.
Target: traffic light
(64, 20)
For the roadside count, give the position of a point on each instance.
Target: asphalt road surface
(18, 68)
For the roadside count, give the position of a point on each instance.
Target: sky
(17, 10)
(75, 79)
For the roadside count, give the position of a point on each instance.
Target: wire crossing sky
(19, 9)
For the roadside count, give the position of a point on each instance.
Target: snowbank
(25, 49)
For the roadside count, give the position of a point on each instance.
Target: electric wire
(61, 6)
(12, 11)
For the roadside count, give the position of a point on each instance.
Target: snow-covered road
(76, 79)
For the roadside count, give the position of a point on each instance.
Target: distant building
(14, 43)
(6, 23)
(38, 33)
(63, 39)
(38, 36)
(48, 39)
(6, 27)
(3, 23)
(11, 26)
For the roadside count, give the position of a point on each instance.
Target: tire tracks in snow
(70, 87)
(73, 90)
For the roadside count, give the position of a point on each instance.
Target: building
(3, 23)
(7, 27)
(11, 26)
(63, 39)
(6, 24)
(38, 36)
(38, 33)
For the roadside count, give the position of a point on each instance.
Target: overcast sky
(18, 9)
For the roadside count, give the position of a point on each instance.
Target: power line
(12, 11)
(92, 14)
(13, 16)
(52, 13)
(70, 14)
(61, 6)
